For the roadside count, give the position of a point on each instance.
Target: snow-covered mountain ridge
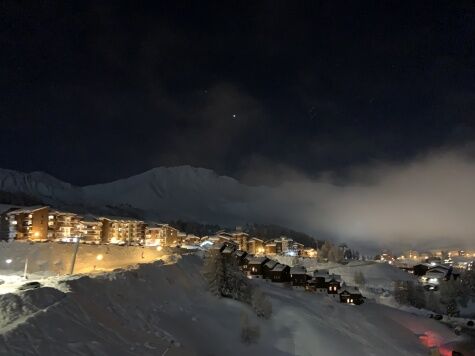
(165, 192)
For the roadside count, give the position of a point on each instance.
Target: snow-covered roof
(119, 218)
(279, 267)
(351, 290)
(5, 207)
(333, 277)
(271, 264)
(298, 270)
(257, 260)
(255, 239)
(90, 218)
(228, 249)
(240, 253)
(271, 244)
(28, 209)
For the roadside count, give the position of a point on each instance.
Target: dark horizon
(94, 92)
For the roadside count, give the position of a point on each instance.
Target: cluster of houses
(258, 247)
(320, 281)
(43, 223)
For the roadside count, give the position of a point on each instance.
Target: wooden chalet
(333, 284)
(255, 265)
(240, 257)
(421, 269)
(298, 276)
(351, 295)
(268, 266)
(280, 273)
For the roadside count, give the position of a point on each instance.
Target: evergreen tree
(401, 294)
(452, 308)
(214, 272)
(416, 295)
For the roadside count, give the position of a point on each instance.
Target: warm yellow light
(159, 248)
(36, 234)
(99, 257)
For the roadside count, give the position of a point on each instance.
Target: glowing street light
(8, 261)
(159, 248)
(99, 257)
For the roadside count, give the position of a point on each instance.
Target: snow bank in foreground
(164, 309)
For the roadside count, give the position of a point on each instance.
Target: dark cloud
(106, 90)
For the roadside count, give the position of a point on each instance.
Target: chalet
(255, 265)
(319, 278)
(298, 276)
(280, 273)
(351, 295)
(255, 246)
(421, 269)
(436, 274)
(333, 283)
(228, 250)
(240, 257)
(268, 266)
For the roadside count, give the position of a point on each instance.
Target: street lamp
(8, 261)
(99, 257)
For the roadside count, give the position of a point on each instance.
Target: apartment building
(122, 231)
(29, 223)
(255, 246)
(90, 229)
(62, 225)
(161, 235)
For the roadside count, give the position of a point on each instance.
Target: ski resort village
(48, 256)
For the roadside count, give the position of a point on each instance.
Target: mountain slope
(177, 192)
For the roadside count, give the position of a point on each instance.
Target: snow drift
(165, 309)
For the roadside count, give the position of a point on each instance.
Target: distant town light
(8, 260)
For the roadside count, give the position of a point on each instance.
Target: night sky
(93, 91)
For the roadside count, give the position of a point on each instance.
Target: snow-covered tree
(359, 278)
(432, 302)
(214, 272)
(326, 247)
(401, 294)
(416, 295)
(335, 254)
(261, 304)
(452, 308)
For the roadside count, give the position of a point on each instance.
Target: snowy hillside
(164, 309)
